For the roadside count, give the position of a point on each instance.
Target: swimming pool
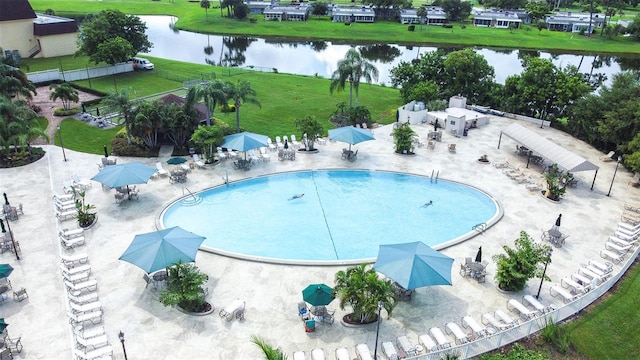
(341, 219)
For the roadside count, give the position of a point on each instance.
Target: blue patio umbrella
(3, 325)
(5, 270)
(350, 135)
(159, 249)
(124, 174)
(414, 265)
(244, 141)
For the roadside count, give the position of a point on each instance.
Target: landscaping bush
(23, 156)
(120, 147)
(63, 112)
(447, 26)
(228, 108)
(412, 27)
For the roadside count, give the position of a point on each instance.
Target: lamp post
(614, 174)
(375, 351)
(61, 144)
(124, 350)
(544, 272)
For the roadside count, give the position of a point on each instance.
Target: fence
(528, 328)
(79, 74)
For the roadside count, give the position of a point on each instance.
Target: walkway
(272, 291)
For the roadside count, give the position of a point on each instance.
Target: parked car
(142, 64)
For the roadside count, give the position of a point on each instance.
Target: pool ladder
(437, 174)
(480, 228)
(196, 199)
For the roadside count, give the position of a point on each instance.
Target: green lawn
(283, 97)
(192, 18)
(609, 330)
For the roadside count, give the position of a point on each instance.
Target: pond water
(321, 57)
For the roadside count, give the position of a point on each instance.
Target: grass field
(192, 18)
(283, 98)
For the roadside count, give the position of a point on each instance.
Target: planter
(485, 162)
(305, 151)
(209, 310)
(95, 220)
(345, 321)
(543, 193)
(405, 154)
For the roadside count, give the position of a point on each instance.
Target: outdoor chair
(101, 352)
(608, 157)
(147, 279)
(508, 320)
(406, 346)
(390, 350)
(20, 295)
(567, 282)
(452, 148)
(478, 330)
(363, 352)
(526, 314)
(85, 308)
(453, 328)
(342, 354)
(199, 163)
(95, 317)
(299, 355)
(235, 309)
(71, 243)
(263, 153)
(294, 142)
(71, 260)
(492, 323)
(15, 344)
(161, 170)
(606, 267)
(84, 299)
(438, 335)
(617, 248)
(567, 297)
(88, 331)
(91, 342)
(431, 145)
(77, 288)
(318, 354)
(427, 343)
(535, 303)
(79, 183)
(5, 354)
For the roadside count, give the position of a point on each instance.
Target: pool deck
(272, 291)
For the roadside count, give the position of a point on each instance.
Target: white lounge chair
(235, 309)
(363, 352)
(622, 239)
(161, 170)
(389, 350)
(428, 343)
(617, 248)
(299, 355)
(84, 299)
(94, 354)
(535, 303)
(607, 267)
(85, 308)
(608, 157)
(630, 217)
(490, 321)
(88, 331)
(95, 317)
(522, 310)
(91, 343)
(294, 142)
(478, 330)
(453, 328)
(584, 281)
(615, 257)
(591, 275)
(199, 163)
(569, 282)
(71, 260)
(76, 278)
(72, 270)
(342, 354)
(271, 146)
(221, 154)
(69, 234)
(63, 198)
(628, 227)
(263, 154)
(566, 296)
(508, 320)
(67, 214)
(438, 335)
(77, 288)
(406, 346)
(279, 143)
(71, 243)
(318, 354)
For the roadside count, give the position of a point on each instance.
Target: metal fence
(79, 74)
(528, 328)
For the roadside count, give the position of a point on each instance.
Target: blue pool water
(343, 216)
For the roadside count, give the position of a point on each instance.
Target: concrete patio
(272, 291)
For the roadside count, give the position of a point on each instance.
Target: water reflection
(321, 57)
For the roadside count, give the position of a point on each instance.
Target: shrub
(555, 335)
(184, 287)
(412, 27)
(120, 147)
(463, 26)
(228, 108)
(63, 112)
(447, 26)
(520, 264)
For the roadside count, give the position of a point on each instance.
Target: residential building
(27, 34)
(258, 7)
(576, 23)
(364, 14)
(497, 18)
(299, 12)
(435, 16)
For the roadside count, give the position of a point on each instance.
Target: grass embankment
(192, 18)
(283, 97)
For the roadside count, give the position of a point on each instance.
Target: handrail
(480, 227)
(189, 191)
(432, 171)
(437, 175)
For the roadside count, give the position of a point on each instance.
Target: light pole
(614, 174)
(375, 350)
(124, 350)
(544, 272)
(61, 144)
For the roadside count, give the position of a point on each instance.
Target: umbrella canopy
(414, 265)
(5, 270)
(244, 141)
(106, 153)
(176, 161)
(3, 325)
(318, 294)
(350, 135)
(159, 249)
(558, 220)
(124, 174)
(479, 255)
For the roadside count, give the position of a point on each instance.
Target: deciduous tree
(456, 10)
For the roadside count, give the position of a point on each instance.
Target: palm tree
(212, 92)
(18, 124)
(64, 92)
(422, 13)
(310, 127)
(205, 4)
(241, 91)
(352, 68)
(14, 82)
(206, 137)
(270, 353)
(363, 289)
(119, 101)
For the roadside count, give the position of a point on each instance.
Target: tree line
(577, 103)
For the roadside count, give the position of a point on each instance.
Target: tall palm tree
(422, 13)
(270, 353)
(241, 91)
(352, 68)
(205, 4)
(212, 92)
(64, 92)
(119, 101)
(14, 82)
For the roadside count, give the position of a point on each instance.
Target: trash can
(464, 133)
